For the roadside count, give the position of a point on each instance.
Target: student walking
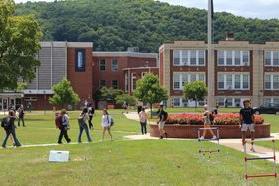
(143, 120)
(208, 121)
(9, 127)
(21, 116)
(82, 121)
(64, 126)
(163, 116)
(247, 119)
(91, 112)
(106, 123)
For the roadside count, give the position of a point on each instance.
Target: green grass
(120, 162)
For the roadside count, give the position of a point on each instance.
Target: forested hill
(114, 25)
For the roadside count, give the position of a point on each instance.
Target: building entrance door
(5, 104)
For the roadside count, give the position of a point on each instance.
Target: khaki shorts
(245, 127)
(161, 124)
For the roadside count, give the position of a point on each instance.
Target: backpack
(5, 123)
(211, 117)
(58, 122)
(111, 121)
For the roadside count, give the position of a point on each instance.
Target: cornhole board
(58, 156)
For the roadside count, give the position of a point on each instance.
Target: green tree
(195, 90)
(126, 98)
(19, 44)
(63, 94)
(108, 94)
(148, 90)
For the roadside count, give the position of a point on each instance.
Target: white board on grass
(58, 156)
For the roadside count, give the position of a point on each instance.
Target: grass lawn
(120, 162)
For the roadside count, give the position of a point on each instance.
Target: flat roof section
(124, 54)
(66, 44)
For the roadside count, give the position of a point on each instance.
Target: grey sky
(264, 9)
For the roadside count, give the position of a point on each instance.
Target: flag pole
(210, 59)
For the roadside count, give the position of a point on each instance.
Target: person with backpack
(9, 127)
(107, 122)
(163, 116)
(82, 121)
(143, 120)
(91, 112)
(63, 123)
(208, 119)
(21, 116)
(247, 122)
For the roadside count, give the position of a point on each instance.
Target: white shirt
(106, 120)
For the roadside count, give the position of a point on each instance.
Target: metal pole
(210, 59)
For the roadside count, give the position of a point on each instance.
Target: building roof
(125, 54)
(66, 44)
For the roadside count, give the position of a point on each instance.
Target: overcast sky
(264, 9)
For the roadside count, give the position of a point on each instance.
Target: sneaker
(252, 149)
(214, 137)
(69, 141)
(201, 138)
(161, 137)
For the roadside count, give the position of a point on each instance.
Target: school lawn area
(122, 161)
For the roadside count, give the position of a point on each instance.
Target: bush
(197, 119)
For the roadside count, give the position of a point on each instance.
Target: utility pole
(210, 59)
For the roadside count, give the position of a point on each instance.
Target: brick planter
(191, 131)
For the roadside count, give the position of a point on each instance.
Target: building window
(102, 64)
(229, 58)
(233, 58)
(221, 58)
(176, 81)
(228, 81)
(271, 101)
(267, 58)
(271, 58)
(114, 65)
(176, 102)
(114, 84)
(182, 78)
(271, 81)
(189, 57)
(80, 60)
(133, 81)
(221, 81)
(102, 83)
(176, 57)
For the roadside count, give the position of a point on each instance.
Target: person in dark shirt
(10, 129)
(91, 112)
(163, 116)
(21, 115)
(247, 118)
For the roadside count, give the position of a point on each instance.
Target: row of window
(180, 79)
(271, 58)
(271, 81)
(233, 58)
(103, 65)
(189, 58)
(221, 101)
(224, 58)
(103, 83)
(240, 81)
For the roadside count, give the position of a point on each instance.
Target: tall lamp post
(210, 59)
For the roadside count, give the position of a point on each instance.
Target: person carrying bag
(82, 121)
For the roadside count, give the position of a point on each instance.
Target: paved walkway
(231, 143)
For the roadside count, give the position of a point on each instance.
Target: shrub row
(197, 119)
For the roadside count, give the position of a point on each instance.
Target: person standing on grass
(208, 121)
(247, 118)
(163, 116)
(91, 112)
(64, 127)
(8, 124)
(106, 123)
(143, 120)
(82, 120)
(21, 116)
